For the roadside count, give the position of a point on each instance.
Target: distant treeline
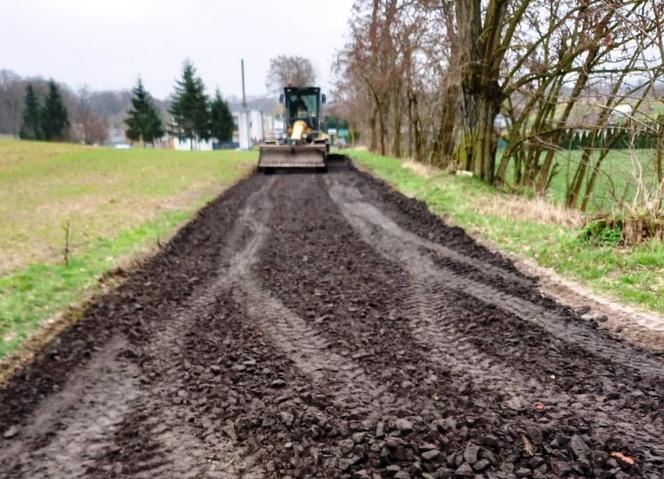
(90, 113)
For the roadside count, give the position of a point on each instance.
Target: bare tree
(12, 91)
(450, 67)
(290, 70)
(89, 128)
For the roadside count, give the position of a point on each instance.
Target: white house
(622, 112)
(183, 144)
(252, 127)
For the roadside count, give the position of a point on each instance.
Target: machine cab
(303, 104)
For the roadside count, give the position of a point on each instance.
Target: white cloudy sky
(106, 44)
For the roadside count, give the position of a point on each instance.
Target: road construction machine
(303, 144)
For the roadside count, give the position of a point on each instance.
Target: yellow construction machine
(304, 145)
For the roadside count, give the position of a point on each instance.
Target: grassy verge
(139, 196)
(633, 276)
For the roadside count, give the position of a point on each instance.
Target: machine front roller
(310, 156)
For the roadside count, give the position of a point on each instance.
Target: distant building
(115, 136)
(621, 113)
(258, 124)
(184, 144)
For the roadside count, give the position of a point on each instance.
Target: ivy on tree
(143, 120)
(31, 128)
(221, 119)
(190, 108)
(54, 116)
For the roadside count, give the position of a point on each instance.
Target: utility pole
(244, 96)
(243, 125)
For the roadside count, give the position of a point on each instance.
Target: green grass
(118, 202)
(43, 289)
(633, 276)
(614, 182)
(98, 191)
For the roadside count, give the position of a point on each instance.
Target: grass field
(538, 230)
(613, 183)
(117, 203)
(99, 191)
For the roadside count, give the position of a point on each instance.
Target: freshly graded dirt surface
(324, 326)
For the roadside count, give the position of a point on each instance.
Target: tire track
(81, 419)
(305, 345)
(394, 242)
(178, 449)
(353, 195)
(81, 430)
(448, 345)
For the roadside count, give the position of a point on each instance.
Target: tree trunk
(484, 149)
(580, 84)
(396, 143)
(591, 181)
(577, 181)
(443, 147)
(660, 152)
(480, 56)
(476, 145)
(372, 126)
(410, 124)
(501, 174)
(512, 149)
(382, 128)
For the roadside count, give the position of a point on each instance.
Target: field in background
(531, 228)
(98, 191)
(117, 203)
(614, 183)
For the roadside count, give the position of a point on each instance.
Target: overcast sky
(106, 44)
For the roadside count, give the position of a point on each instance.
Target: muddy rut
(326, 326)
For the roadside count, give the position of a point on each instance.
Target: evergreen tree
(143, 120)
(190, 109)
(54, 116)
(221, 119)
(154, 128)
(31, 128)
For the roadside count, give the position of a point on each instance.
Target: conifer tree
(190, 109)
(221, 119)
(31, 128)
(54, 116)
(154, 128)
(143, 120)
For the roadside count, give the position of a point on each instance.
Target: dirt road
(324, 326)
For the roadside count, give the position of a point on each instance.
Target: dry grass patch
(512, 207)
(420, 168)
